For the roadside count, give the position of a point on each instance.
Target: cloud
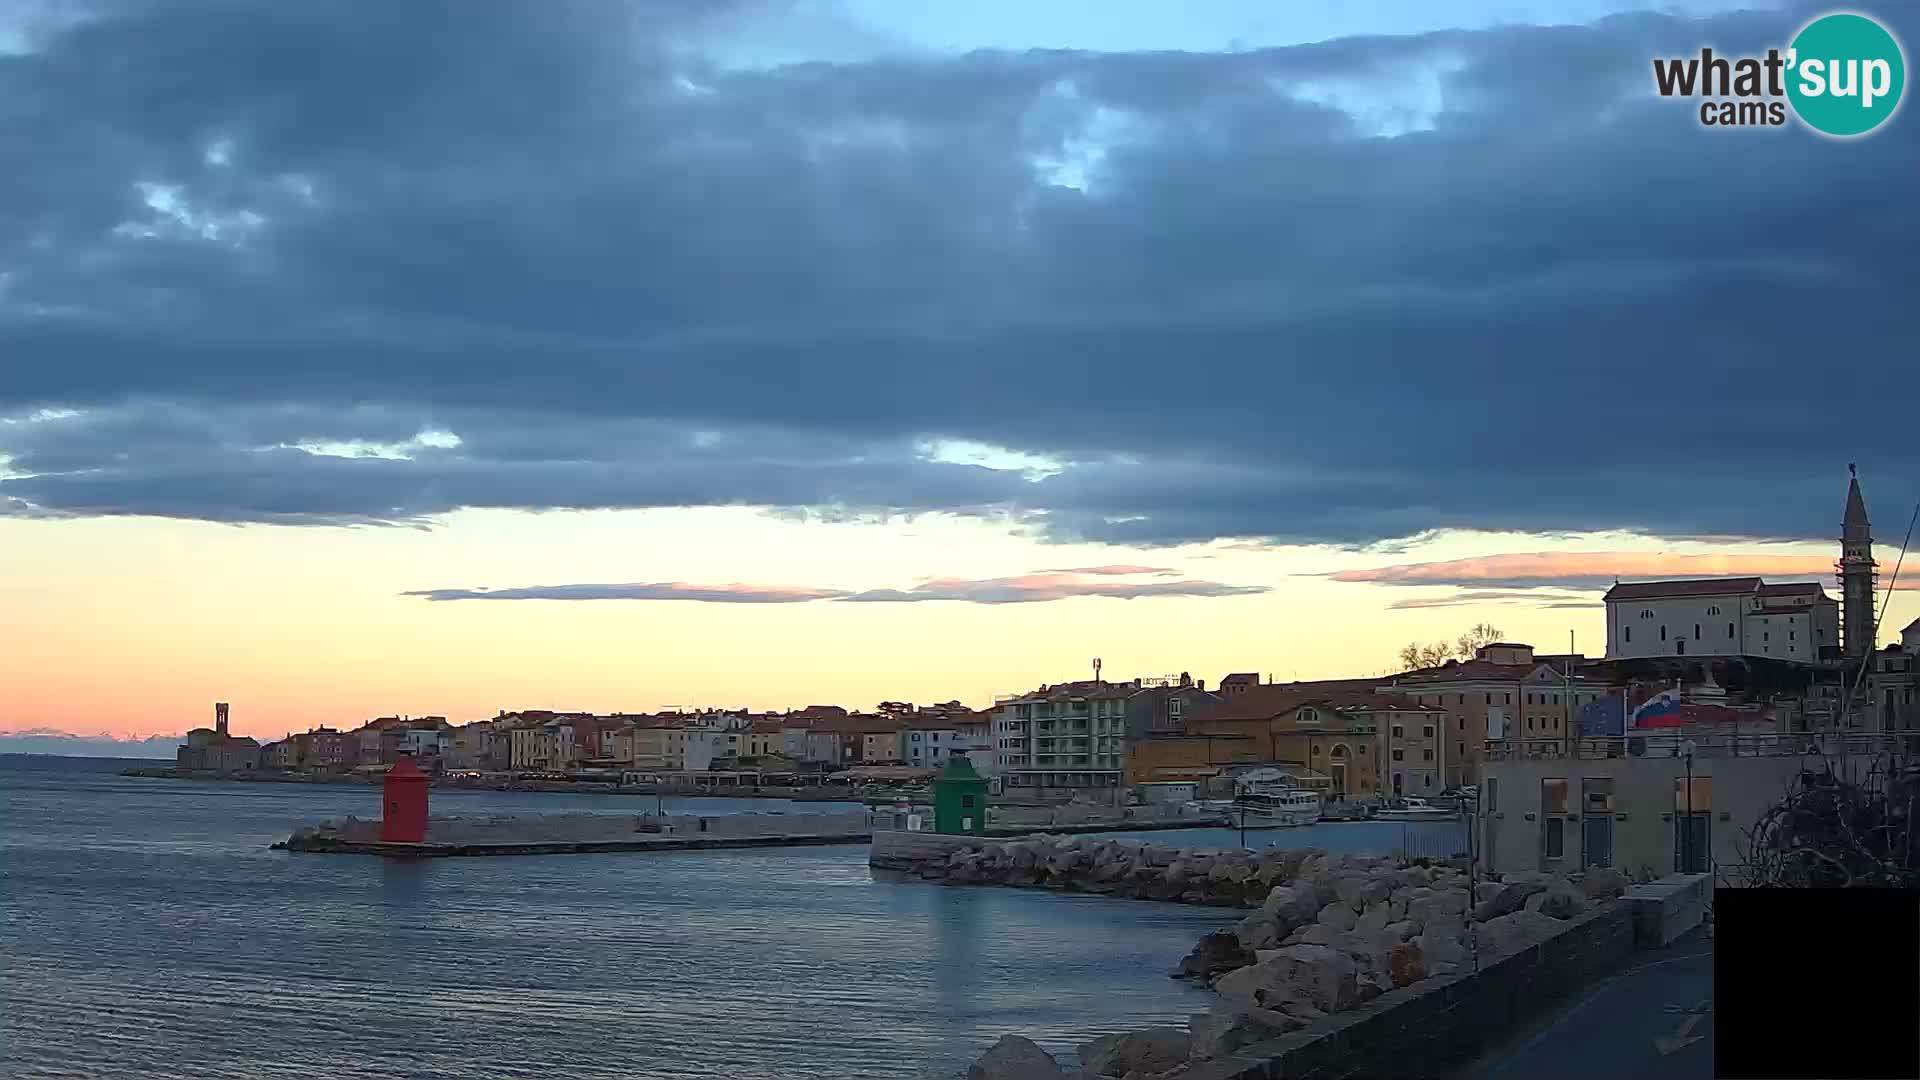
(1045, 586)
(1492, 596)
(1117, 570)
(1038, 587)
(662, 590)
(1593, 570)
(1255, 294)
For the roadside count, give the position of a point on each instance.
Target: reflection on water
(146, 930)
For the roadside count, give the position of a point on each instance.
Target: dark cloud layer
(262, 248)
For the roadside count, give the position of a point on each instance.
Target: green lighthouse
(960, 799)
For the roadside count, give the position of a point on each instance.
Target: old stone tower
(1857, 573)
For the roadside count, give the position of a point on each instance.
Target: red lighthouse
(405, 818)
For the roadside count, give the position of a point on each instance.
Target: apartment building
(1063, 738)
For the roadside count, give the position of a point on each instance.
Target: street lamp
(1686, 831)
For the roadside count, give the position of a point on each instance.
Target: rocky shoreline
(1327, 934)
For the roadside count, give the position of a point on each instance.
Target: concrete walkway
(1653, 1021)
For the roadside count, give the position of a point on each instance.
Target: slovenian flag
(1660, 710)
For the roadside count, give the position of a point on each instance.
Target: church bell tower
(1857, 573)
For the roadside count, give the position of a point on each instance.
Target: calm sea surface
(147, 930)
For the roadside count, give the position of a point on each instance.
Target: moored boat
(1275, 808)
(1412, 809)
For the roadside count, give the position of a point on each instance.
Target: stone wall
(1418, 1030)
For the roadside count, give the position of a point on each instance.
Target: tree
(1414, 655)
(1469, 643)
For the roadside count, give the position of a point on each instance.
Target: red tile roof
(1249, 678)
(1654, 590)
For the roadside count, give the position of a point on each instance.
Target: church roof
(1649, 590)
(1856, 506)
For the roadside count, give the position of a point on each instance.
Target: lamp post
(1686, 832)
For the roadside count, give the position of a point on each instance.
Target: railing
(1703, 745)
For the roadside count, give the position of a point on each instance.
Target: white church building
(1741, 616)
(1745, 616)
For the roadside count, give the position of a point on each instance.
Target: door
(1692, 843)
(1596, 843)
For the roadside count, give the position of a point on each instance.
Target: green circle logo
(1846, 74)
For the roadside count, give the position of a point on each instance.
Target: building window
(1399, 754)
(1427, 732)
(1729, 631)
(1492, 793)
(1554, 832)
(1713, 610)
(1646, 613)
(1363, 748)
(1460, 722)
(1553, 795)
(1663, 631)
(1626, 632)
(1399, 732)
(1459, 750)
(1489, 699)
(1529, 723)
(1426, 755)
(1696, 631)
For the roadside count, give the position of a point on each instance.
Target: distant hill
(46, 741)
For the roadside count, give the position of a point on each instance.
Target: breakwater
(593, 834)
(1327, 935)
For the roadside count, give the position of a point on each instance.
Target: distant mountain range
(49, 741)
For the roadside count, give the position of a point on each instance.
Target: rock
(1403, 929)
(1320, 975)
(1374, 920)
(1217, 952)
(1154, 1050)
(1602, 882)
(1014, 1058)
(1441, 948)
(1512, 932)
(1487, 890)
(1349, 889)
(1227, 1028)
(1406, 964)
(1375, 892)
(1511, 898)
(1340, 916)
(1562, 900)
(1257, 931)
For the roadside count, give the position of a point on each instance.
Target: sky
(442, 359)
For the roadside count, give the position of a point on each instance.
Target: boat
(1412, 809)
(1275, 808)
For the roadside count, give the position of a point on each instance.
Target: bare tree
(1414, 655)
(1469, 643)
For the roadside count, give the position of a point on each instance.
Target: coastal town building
(1737, 616)
(216, 748)
(1161, 706)
(1503, 696)
(1678, 800)
(1063, 738)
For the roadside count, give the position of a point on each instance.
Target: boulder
(1257, 931)
(1403, 929)
(1511, 898)
(1014, 1058)
(1406, 965)
(1217, 952)
(1562, 900)
(1441, 948)
(1348, 889)
(1512, 932)
(1374, 920)
(1486, 890)
(1602, 882)
(1154, 1050)
(1339, 916)
(1227, 1028)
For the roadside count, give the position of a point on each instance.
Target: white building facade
(1712, 617)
